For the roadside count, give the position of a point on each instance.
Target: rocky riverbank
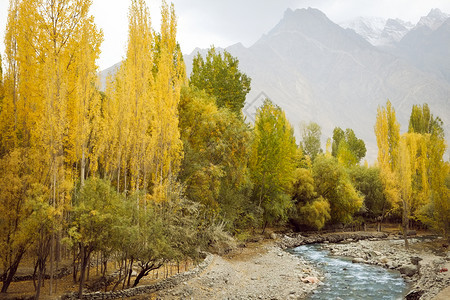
(267, 272)
(261, 272)
(296, 239)
(424, 269)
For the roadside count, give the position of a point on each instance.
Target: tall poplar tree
(273, 162)
(387, 131)
(51, 47)
(169, 78)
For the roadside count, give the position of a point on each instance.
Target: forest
(162, 166)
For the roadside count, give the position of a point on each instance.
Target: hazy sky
(202, 23)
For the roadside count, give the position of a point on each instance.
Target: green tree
(368, 182)
(422, 121)
(216, 153)
(334, 185)
(347, 147)
(95, 219)
(311, 210)
(219, 76)
(273, 162)
(338, 136)
(311, 139)
(23, 210)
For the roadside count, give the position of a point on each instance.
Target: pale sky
(202, 23)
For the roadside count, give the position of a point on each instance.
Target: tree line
(161, 166)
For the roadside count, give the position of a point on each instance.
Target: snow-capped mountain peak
(370, 28)
(434, 19)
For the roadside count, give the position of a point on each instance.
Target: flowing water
(347, 280)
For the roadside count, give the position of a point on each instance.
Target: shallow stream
(347, 280)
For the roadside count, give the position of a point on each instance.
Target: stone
(411, 232)
(408, 270)
(384, 260)
(414, 295)
(310, 279)
(415, 260)
(358, 260)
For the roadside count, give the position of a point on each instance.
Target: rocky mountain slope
(318, 71)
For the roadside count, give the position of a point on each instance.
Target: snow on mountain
(369, 28)
(434, 19)
(317, 71)
(394, 31)
(378, 31)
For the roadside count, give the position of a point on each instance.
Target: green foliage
(303, 188)
(422, 121)
(368, 182)
(96, 215)
(311, 139)
(333, 184)
(273, 162)
(315, 213)
(347, 147)
(338, 136)
(310, 210)
(216, 153)
(24, 210)
(219, 76)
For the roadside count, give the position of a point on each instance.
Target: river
(347, 280)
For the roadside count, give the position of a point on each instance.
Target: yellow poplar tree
(169, 77)
(83, 111)
(138, 92)
(387, 131)
(46, 42)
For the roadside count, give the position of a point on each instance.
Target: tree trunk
(41, 271)
(145, 269)
(84, 261)
(405, 224)
(83, 167)
(130, 271)
(9, 274)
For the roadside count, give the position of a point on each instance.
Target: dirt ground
(259, 271)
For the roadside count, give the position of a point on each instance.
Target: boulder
(414, 295)
(408, 270)
(415, 260)
(358, 260)
(384, 260)
(310, 279)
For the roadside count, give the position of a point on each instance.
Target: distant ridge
(318, 71)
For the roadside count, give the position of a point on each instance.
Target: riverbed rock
(310, 279)
(415, 260)
(408, 270)
(358, 260)
(414, 295)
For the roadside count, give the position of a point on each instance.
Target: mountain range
(338, 75)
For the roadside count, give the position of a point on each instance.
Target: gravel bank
(266, 272)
